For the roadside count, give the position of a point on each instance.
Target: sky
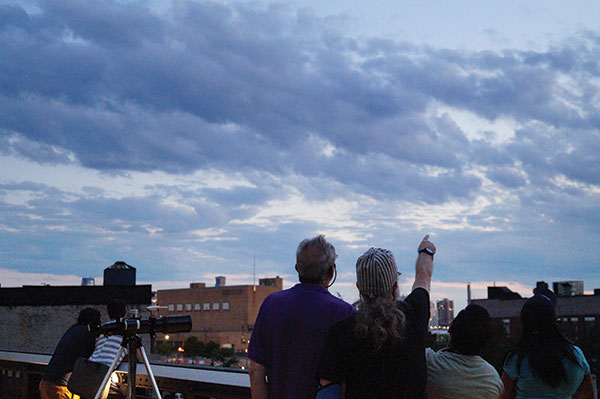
(192, 139)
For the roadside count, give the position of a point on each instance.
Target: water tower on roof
(120, 273)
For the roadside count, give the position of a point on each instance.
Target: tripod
(131, 343)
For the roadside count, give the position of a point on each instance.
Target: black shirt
(397, 370)
(78, 341)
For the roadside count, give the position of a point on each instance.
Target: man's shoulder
(338, 302)
(77, 331)
(278, 296)
(300, 291)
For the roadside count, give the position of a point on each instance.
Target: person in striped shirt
(107, 347)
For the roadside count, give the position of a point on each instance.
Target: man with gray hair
(287, 339)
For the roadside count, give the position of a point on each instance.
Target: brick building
(577, 312)
(223, 314)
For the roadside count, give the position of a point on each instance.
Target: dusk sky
(188, 138)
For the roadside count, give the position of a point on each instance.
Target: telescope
(129, 328)
(152, 325)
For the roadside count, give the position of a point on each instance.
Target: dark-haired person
(287, 339)
(459, 372)
(379, 352)
(545, 364)
(107, 347)
(78, 341)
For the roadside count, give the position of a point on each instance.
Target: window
(188, 307)
(171, 308)
(216, 306)
(197, 306)
(225, 305)
(207, 306)
(180, 307)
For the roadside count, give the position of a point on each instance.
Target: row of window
(199, 306)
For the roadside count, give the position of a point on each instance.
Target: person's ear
(396, 292)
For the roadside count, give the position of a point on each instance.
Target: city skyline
(191, 138)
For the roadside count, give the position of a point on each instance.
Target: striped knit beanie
(376, 272)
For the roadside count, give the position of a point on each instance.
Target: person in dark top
(380, 351)
(78, 341)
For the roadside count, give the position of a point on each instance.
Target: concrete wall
(39, 328)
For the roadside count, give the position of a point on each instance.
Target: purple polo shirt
(288, 337)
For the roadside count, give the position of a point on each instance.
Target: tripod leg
(133, 343)
(112, 368)
(150, 373)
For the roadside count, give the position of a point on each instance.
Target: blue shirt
(528, 386)
(288, 337)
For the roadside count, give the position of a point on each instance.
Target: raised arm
(424, 266)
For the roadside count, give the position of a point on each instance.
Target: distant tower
(220, 281)
(88, 281)
(468, 293)
(433, 319)
(445, 308)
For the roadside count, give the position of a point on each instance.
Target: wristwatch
(427, 251)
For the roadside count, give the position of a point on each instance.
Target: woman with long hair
(545, 364)
(380, 351)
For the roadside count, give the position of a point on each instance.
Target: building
(433, 315)
(445, 311)
(33, 318)
(223, 314)
(578, 313)
(568, 288)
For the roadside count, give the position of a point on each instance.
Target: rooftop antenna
(468, 293)
(254, 274)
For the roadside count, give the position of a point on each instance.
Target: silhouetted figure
(78, 341)
(287, 339)
(379, 352)
(458, 371)
(545, 364)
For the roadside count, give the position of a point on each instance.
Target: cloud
(253, 126)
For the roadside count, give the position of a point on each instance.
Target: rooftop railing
(21, 373)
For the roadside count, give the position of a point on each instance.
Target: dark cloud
(209, 84)
(287, 100)
(509, 178)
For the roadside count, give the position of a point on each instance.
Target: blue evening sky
(189, 138)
